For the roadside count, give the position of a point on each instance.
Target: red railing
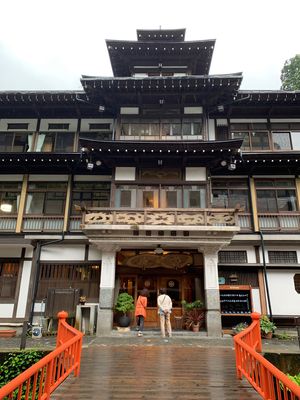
(267, 380)
(42, 378)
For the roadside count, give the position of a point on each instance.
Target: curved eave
(167, 147)
(33, 162)
(153, 84)
(267, 97)
(124, 54)
(42, 97)
(161, 34)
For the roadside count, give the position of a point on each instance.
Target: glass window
(15, 142)
(46, 198)
(90, 194)
(125, 196)
(266, 201)
(171, 197)
(245, 137)
(296, 140)
(125, 129)
(220, 198)
(230, 194)
(96, 135)
(276, 200)
(55, 141)
(175, 129)
(286, 200)
(260, 141)
(148, 199)
(54, 203)
(10, 193)
(281, 140)
(194, 197)
(187, 129)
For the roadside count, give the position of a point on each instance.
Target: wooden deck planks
(156, 372)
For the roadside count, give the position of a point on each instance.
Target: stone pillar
(211, 289)
(107, 287)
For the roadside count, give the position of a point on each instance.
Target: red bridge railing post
(256, 332)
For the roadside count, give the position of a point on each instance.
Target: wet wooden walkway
(156, 372)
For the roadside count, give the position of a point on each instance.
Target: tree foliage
(290, 74)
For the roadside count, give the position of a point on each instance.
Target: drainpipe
(37, 275)
(265, 273)
(257, 229)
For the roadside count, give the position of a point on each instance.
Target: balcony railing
(279, 222)
(8, 223)
(43, 223)
(159, 217)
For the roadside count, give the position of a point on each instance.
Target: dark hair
(163, 291)
(144, 292)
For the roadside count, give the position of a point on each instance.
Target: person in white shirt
(164, 304)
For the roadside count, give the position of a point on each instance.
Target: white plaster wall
(195, 174)
(32, 124)
(193, 110)
(94, 178)
(85, 123)
(211, 129)
(284, 298)
(11, 178)
(6, 310)
(125, 174)
(94, 254)
(72, 124)
(10, 251)
(25, 279)
(256, 300)
(29, 252)
(48, 178)
(63, 253)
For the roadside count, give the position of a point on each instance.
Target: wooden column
(68, 204)
(22, 204)
(254, 205)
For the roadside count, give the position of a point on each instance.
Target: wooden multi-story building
(160, 176)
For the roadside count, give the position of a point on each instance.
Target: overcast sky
(48, 45)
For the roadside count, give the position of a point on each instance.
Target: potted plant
(267, 327)
(124, 305)
(193, 315)
(239, 328)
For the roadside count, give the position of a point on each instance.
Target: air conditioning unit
(36, 332)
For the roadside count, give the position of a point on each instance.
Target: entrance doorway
(178, 288)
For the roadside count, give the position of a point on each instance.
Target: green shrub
(295, 378)
(16, 363)
(125, 303)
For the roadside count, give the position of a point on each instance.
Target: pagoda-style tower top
(160, 35)
(160, 52)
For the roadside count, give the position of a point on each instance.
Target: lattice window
(232, 257)
(85, 277)
(8, 279)
(297, 282)
(282, 257)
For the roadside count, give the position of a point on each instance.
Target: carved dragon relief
(160, 218)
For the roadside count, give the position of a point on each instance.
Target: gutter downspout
(255, 223)
(265, 273)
